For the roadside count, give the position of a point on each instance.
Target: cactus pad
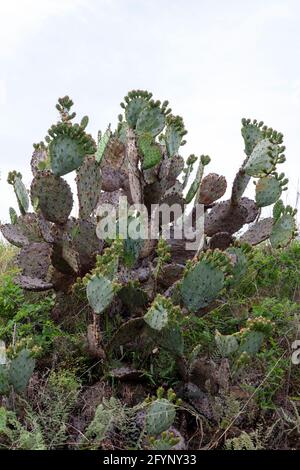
(102, 144)
(267, 191)
(252, 134)
(225, 217)
(83, 237)
(150, 151)
(33, 284)
(226, 344)
(22, 195)
(174, 134)
(20, 370)
(14, 234)
(157, 316)
(283, 231)
(259, 161)
(258, 232)
(66, 155)
(151, 120)
(252, 342)
(212, 188)
(160, 416)
(221, 241)
(88, 181)
(99, 293)
(34, 260)
(39, 160)
(53, 197)
(201, 285)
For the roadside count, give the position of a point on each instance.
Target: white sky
(216, 61)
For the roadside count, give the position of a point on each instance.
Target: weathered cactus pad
(88, 181)
(52, 196)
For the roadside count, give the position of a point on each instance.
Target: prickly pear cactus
(283, 231)
(204, 281)
(160, 313)
(212, 188)
(15, 179)
(88, 181)
(52, 196)
(226, 344)
(252, 342)
(20, 370)
(141, 159)
(68, 143)
(100, 293)
(161, 413)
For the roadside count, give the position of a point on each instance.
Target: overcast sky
(216, 61)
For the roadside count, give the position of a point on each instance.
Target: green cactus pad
(252, 342)
(100, 293)
(22, 195)
(174, 134)
(20, 370)
(212, 188)
(88, 182)
(252, 134)
(66, 155)
(259, 161)
(267, 191)
(240, 184)
(283, 231)
(150, 151)
(195, 186)
(133, 110)
(13, 216)
(151, 120)
(102, 144)
(226, 344)
(160, 416)
(173, 140)
(132, 249)
(258, 232)
(52, 196)
(201, 285)
(157, 316)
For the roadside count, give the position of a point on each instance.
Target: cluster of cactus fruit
(155, 282)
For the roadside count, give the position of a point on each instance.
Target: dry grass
(7, 254)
